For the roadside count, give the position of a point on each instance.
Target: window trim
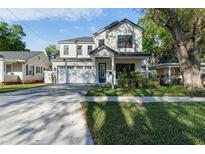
(124, 42)
(99, 45)
(64, 47)
(6, 68)
(81, 51)
(88, 49)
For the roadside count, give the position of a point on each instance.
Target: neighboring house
(98, 59)
(22, 66)
(171, 70)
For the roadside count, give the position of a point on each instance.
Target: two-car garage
(75, 74)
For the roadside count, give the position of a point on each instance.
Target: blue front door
(102, 72)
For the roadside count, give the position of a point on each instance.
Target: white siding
(72, 50)
(35, 61)
(110, 37)
(1, 70)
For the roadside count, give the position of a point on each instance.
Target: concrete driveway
(45, 115)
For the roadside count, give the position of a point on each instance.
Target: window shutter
(26, 69)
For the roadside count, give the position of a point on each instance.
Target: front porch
(107, 68)
(108, 63)
(11, 71)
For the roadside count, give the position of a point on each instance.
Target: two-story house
(98, 59)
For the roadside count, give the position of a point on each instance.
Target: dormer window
(101, 42)
(65, 51)
(124, 41)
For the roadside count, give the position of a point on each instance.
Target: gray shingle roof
(84, 39)
(115, 23)
(20, 55)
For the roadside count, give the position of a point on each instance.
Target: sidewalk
(145, 99)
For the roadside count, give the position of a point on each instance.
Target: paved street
(45, 115)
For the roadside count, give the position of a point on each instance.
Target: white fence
(50, 77)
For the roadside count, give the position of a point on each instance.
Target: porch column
(146, 68)
(94, 69)
(113, 72)
(23, 70)
(1, 70)
(169, 75)
(66, 71)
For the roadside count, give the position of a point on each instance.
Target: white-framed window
(66, 50)
(90, 48)
(101, 42)
(30, 70)
(124, 41)
(79, 50)
(38, 69)
(166, 70)
(8, 68)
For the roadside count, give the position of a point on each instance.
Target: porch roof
(120, 54)
(173, 65)
(60, 59)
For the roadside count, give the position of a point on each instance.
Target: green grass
(160, 123)
(14, 87)
(161, 91)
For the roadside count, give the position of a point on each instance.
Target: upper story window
(65, 50)
(90, 48)
(124, 41)
(79, 50)
(101, 42)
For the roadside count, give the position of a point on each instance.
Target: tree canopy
(157, 41)
(52, 50)
(11, 38)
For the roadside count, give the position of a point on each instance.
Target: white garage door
(77, 74)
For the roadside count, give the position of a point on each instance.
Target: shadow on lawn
(146, 123)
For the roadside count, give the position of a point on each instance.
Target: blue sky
(48, 26)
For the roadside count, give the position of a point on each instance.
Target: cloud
(63, 30)
(93, 29)
(38, 14)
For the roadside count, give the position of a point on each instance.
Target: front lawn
(14, 87)
(159, 91)
(159, 123)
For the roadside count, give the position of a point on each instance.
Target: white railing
(8, 77)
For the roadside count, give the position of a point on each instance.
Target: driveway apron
(44, 115)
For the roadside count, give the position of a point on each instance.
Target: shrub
(153, 82)
(11, 82)
(136, 80)
(33, 81)
(196, 92)
(176, 81)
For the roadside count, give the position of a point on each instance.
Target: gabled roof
(115, 23)
(124, 54)
(85, 39)
(101, 48)
(19, 55)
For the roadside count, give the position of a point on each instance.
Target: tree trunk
(190, 67)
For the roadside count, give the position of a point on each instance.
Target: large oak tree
(11, 38)
(187, 28)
